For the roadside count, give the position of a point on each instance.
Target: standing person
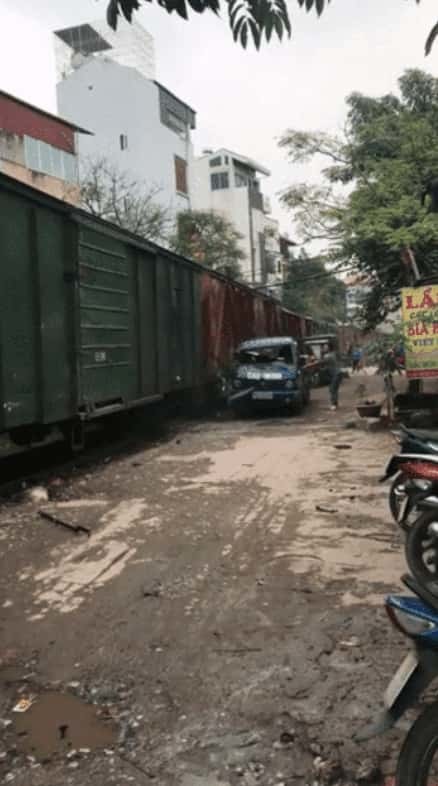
(356, 358)
(400, 356)
(331, 360)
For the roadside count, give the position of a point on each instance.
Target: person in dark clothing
(356, 359)
(331, 360)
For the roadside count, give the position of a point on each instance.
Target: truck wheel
(298, 405)
(240, 412)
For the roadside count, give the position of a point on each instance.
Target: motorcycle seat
(421, 434)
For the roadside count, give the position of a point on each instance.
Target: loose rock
(37, 494)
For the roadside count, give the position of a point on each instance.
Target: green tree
(379, 193)
(210, 239)
(311, 289)
(253, 19)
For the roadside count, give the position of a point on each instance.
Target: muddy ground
(223, 617)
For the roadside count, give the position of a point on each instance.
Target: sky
(244, 100)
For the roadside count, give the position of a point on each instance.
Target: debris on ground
(152, 591)
(37, 494)
(24, 704)
(77, 528)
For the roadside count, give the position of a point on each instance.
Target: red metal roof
(20, 118)
(40, 111)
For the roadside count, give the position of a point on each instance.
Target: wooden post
(389, 389)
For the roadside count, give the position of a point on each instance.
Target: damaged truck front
(269, 372)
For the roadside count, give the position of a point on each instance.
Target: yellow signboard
(420, 329)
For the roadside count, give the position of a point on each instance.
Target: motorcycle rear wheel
(418, 761)
(421, 549)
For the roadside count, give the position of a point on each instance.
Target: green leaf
(256, 33)
(244, 34)
(431, 39)
(237, 27)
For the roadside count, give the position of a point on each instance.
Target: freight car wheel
(23, 436)
(74, 435)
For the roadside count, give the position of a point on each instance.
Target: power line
(314, 277)
(326, 274)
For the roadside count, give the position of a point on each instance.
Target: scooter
(417, 618)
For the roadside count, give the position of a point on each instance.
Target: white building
(137, 124)
(227, 183)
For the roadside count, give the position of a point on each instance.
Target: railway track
(23, 467)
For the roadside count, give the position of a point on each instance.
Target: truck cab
(269, 372)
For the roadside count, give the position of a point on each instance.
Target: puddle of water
(59, 722)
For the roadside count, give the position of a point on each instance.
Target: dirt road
(224, 615)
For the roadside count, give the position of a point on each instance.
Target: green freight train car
(93, 319)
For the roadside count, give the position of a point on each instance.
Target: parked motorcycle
(414, 505)
(417, 618)
(416, 478)
(414, 443)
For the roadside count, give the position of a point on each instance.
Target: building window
(219, 180)
(181, 175)
(217, 161)
(175, 123)
(123, 142)
(226, 159)
(240, 180)
(49, 160)
(174, 114)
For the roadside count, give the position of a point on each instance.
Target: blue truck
(269, 372)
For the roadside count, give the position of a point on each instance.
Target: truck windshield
(281, 353)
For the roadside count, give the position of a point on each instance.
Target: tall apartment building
(138, 125)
